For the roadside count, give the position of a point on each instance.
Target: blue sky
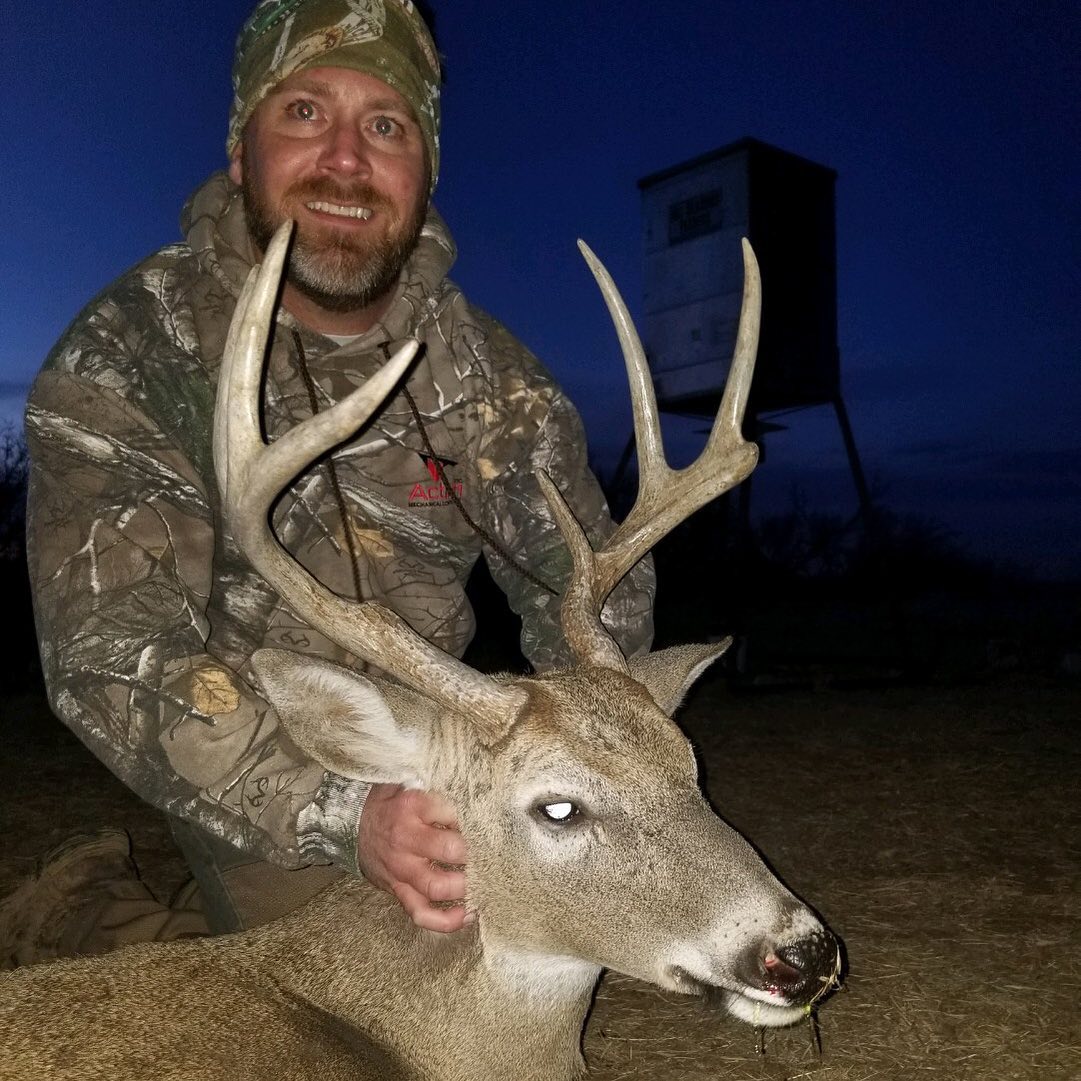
(953, 130)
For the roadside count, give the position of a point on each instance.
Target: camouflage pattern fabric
(384, 38)
(147, 614)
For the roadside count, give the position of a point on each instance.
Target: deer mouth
(766, 1006)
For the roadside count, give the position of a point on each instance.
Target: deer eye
(559, 811)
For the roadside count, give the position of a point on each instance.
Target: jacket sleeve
(122, 549)
(547, 433)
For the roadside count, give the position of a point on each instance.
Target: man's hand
(401, 832)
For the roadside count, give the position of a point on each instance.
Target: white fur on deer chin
(756, 1012)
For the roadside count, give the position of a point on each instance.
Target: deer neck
(458, 1006)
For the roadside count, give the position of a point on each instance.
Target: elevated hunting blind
(693, 216)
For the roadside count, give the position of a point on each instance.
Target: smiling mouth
(359, 213)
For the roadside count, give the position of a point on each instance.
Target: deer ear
(669, 673)
(340, 719)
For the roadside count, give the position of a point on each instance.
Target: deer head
(590, 842)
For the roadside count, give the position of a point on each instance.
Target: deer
(591, 845)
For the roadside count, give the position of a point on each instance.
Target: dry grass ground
(938, 831)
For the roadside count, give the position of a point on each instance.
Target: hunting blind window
(696, 216)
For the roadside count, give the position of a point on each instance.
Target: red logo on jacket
(434, 491)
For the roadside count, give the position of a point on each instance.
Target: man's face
(341, 153)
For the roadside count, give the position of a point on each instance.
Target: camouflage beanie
(384, 38)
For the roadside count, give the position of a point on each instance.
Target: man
(147, 620)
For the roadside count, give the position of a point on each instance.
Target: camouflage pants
(105, 905)
(235, 891)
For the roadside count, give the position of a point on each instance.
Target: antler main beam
(252, 474)
(666, 496)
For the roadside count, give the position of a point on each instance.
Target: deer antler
(666, 496)
(251, 474)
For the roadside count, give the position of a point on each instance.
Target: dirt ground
(936, 829)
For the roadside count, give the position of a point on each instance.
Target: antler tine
(252, 474)
(580, 608)
(647, 422)
(241, 400)
(737, 387)
(665, 496)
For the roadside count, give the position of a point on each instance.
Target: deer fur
(349, 987)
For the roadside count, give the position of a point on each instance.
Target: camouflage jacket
(146, 616)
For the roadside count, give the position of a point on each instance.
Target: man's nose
(346, 151)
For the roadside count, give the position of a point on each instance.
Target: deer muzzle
(781, 981)
(773, 979)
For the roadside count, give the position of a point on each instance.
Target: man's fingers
(414, 837)
(439, 885)
(437, 811)
(441, 845)
(408, 843)
(420, 911)
(430, 829)
(434, 883)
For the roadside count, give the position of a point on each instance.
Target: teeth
(362, 212)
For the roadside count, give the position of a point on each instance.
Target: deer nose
(805, 969)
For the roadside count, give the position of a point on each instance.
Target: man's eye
(384, 126)
(302, 110)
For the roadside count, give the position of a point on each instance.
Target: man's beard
(341, 273)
